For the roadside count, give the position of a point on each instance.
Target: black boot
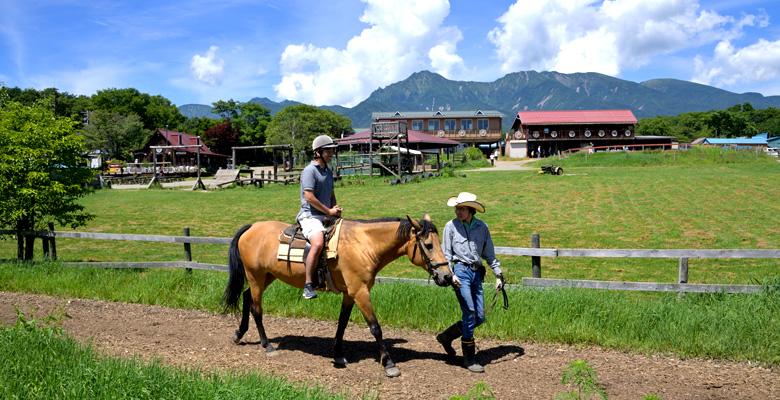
(468, 356)
(446, 338)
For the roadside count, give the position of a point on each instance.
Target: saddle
(293, 247)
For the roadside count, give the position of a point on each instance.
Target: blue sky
(339, 51)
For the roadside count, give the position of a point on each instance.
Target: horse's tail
(237, 275)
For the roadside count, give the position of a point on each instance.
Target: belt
(473, 267)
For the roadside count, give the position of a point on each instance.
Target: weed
(582, 375)
(480, 391)
(52, 323)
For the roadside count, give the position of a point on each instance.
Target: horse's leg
(363, 300)
(244, 326)
(257, 313)
(346, 310)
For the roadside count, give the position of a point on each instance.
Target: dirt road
(514, 370)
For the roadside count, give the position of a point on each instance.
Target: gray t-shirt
(320, 181)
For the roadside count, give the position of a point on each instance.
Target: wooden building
(472, 127)
(181, 157)
(554, 131)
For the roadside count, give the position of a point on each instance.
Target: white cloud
(207, 68)
(607, 37)
(730, 66)
(99, 75)
(404, 37)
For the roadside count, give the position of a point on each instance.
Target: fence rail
(535, 252)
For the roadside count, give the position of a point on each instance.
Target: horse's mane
(405, 227)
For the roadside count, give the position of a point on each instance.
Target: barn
(550, 132)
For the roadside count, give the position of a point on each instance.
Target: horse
(364, 248)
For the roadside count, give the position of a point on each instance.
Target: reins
(495, 300)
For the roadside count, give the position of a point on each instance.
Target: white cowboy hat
(465, 199)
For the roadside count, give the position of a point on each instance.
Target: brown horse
(364, 248)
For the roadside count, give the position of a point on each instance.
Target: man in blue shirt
(466, 242)
(318, 201)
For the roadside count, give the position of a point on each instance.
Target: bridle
(430, 265)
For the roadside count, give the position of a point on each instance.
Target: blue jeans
(471, 299)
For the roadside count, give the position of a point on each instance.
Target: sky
(337, 52)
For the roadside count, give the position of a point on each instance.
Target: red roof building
(186, 156)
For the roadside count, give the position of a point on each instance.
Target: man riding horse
(318, 201)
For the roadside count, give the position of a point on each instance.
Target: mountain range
(531, 91)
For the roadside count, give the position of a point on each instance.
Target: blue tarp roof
(757, 140)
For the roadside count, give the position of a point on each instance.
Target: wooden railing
(535, 252)
(468, 134)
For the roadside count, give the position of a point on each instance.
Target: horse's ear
(414, 223)
(426, 217)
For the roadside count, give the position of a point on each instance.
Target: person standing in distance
(318, 201)
(466, 242)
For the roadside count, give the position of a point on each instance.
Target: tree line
(121, 120)
(741, 120)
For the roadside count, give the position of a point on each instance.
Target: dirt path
(513, 370)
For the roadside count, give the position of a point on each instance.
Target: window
(483, 124)
(433, 124)
(417, 125)
(465, 124)
(450, 125)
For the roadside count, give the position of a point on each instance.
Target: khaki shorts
(310, 225)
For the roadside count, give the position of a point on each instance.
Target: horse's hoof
(270, 351)
(392, 372)
(237, 336)
(340, 360)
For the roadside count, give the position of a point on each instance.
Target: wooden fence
(535, 252)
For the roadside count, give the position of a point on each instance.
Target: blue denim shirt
(469, 244)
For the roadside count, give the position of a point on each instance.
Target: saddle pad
(296, 255)
(333, 244)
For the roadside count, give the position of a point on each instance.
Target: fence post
(45, 241)
(187, 247)
(536, 261)
(52, 243)
(682, 275)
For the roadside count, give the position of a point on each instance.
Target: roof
(736, 141)
(414, 138)
(435, 114)
(578, 117)
(760, 139)
(186, 140)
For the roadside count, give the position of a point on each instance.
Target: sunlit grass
(719, 206)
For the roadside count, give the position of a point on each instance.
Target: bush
(473, 153)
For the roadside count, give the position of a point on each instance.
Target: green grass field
(712, 204)
(665, 206)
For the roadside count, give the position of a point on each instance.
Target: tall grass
(698, 155)
(41, 363)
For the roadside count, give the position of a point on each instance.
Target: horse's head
(425, 250)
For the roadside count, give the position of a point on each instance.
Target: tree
(198, 125)
(252, 123)
(42, 172)
(730, 124)
(655, 126)
(221, 138)
(116, 133)
(298, 125)
(155, 111)
(249, 119)
(64, 104)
